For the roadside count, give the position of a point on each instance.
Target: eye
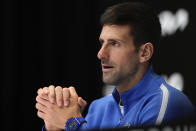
(114, 43)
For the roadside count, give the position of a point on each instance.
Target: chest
(115, 116)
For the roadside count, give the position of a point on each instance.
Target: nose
(103, 53)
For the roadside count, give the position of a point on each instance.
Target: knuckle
(41, 95)
(85, 103)
(37, 98)
(58, 89)
(51, 90)
(72, 87)
(65, 90)
(45, 88)
(39, 90)
(37, 105)
(66, 95)
(51, 87)
(38, 113)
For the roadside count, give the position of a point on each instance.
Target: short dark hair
(143, 20)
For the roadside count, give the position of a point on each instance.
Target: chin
(109, 82)
(109, 79)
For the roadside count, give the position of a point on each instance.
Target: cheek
(123, 57)
(127, 61)
(117, 58)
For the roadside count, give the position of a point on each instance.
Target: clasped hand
(57, 105)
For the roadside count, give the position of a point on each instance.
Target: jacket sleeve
(90, 118)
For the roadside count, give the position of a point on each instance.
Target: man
(129, 37)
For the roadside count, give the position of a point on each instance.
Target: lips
(107, 68)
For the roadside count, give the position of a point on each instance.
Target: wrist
(74, 124)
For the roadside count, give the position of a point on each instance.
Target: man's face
(118, 55)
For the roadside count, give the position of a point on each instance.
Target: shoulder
(165, 104)
(160, 89)
(176, 97)
(175, 105)
(179, 107)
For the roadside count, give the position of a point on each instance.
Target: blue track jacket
(151, 102)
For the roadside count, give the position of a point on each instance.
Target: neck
(131, 82)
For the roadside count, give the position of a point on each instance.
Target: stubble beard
(118, 77)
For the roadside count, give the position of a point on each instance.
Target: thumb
(82, 103)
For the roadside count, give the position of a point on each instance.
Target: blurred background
(56, 42)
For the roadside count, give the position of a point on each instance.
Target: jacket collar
(130, 97)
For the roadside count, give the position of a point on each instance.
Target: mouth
(107, 68)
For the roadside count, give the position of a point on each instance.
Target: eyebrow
(111, 40)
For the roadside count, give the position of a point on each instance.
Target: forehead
(115, 32)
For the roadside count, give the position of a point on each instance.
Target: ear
(145, 52)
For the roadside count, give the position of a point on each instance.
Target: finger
(40, 114)
(82, 103)
(43, 96)
(52, 94)
(73, 92)
(59, 95)
(42, 101)
(46, 90)
(66, 95)
(39, 91)
(40, 107)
